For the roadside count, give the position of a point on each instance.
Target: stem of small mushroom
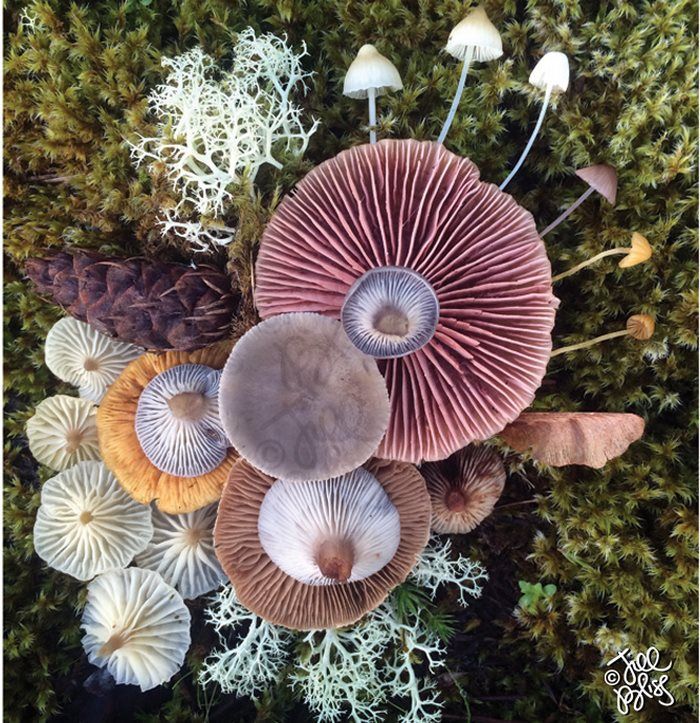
(590, 342)
(568, 211)
(372, 99)
(592, 260)
(545, 103)
(458, 95)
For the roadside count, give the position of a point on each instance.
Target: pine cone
(153, 304)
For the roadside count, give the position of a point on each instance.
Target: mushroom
(464, 488)
(337, 541)
(639, 326)
(136, 626)
(551, 74)
(63, 431)
(637, 252)
(425, 249)
(369, 76)
(299, 401)
(119, 441)
(562, 438)
(182, 551)
(81, 356)
(602, 179)
(87, 524)
(475, 38)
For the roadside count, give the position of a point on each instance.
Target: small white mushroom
(551, 74)
(137, 626)
(182, 551)
(369, 76)
(63, 431)
(78, 354)
(87, 524)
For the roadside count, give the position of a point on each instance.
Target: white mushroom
(87, 524)
(369, 76)
(63, 431)
(78, 354)
(182, 551)
(136, 626)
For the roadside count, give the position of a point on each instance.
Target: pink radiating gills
(585, 438)
(415, 204)
(602, 178)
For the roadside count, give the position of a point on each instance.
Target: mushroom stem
(547, 96)
(372, 100)
(590, 342)
(458, 94)
(588, 262)
(568, 211)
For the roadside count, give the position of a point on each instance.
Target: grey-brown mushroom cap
(602, 178)
(299, 401)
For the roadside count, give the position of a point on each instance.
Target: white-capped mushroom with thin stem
(63, 431)
(87, 524)
(551, 74)
(182, 551)
(78, 354)
(369, 76)
(474, 39)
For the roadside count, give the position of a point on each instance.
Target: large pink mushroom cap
(460, 256)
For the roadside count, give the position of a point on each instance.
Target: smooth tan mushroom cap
(280, 599)
(640, 251)
(371, 70)
(602, 178)
(63, 432)
(122, 452)
(464, 488)
(640, 326)
(562, 438)
(478, 32)
(551, 70)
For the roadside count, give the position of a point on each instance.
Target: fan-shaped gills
(330, 531)
(177, 421)
(390, 312)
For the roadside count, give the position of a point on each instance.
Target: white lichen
(201, 236)
(217, 128)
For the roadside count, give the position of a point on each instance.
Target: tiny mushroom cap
(640, 251)
(137, 626)
(602, 178)
(87, 524)
(78, 354)
(552, 71)
(182, 551)
(317, 555)
(464, 488)
(299, 401)
(640, 326)
(371, 71)
(63, 431)
(478, 32)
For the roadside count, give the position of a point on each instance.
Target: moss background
(619, 544)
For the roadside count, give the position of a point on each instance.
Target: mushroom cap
(299, 401)
(416, 205)
(370, 70)
(83, 357)
(87, 524)
(341, 529)
(122, 452)
(552, 70)
(63, 431)
(640, 251)
(136, 626)
(464, 488)
(478, 32)
(585, 438)
(182, 551)
(640, 326)
(602, 178)
(268, 591)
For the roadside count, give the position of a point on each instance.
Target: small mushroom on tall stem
(637, 252)
(551, 74)
(639, 326)
(601, 178)
(369, 76)
(473, 39)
